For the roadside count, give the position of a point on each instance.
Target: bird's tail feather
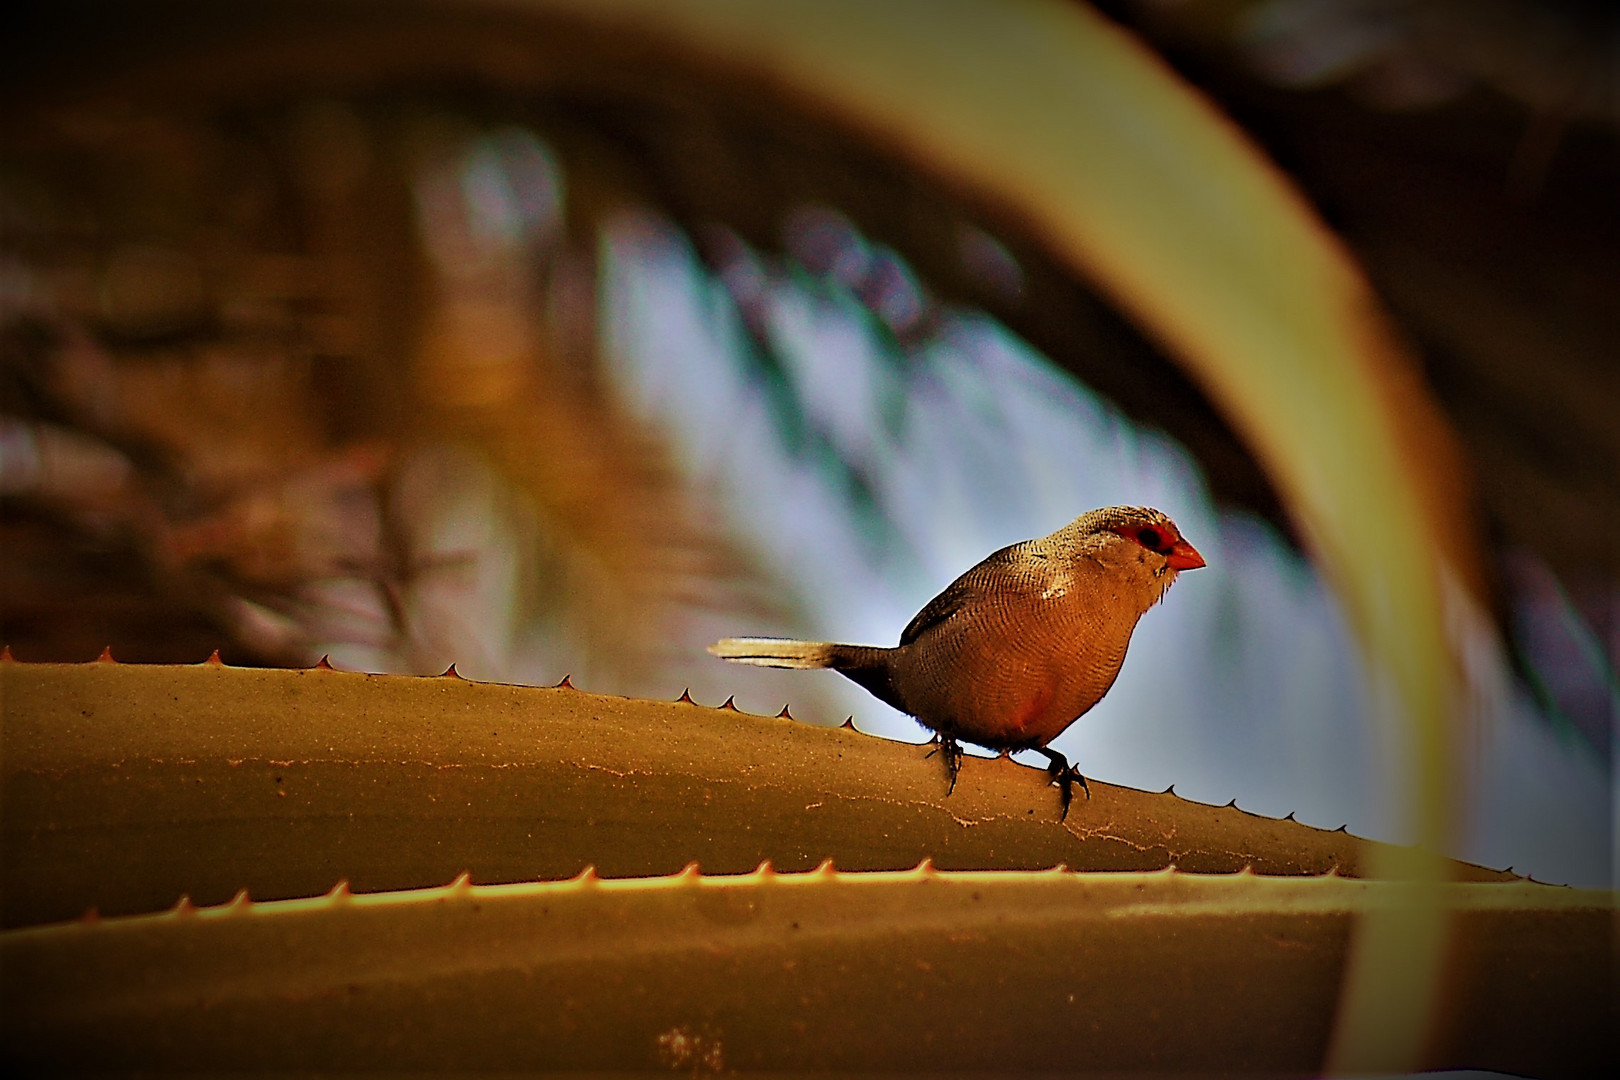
(778, 652)
(866, 665)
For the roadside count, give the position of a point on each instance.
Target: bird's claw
(1061, 773)
(950, 752)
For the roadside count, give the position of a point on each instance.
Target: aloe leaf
(125, 786)
(918, 970)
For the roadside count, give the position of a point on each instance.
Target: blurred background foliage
(574, 362)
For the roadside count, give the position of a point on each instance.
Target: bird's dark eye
(1150, 538)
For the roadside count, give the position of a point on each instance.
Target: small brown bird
(1020, 646)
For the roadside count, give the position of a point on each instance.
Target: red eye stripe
(1149, 536)
(1178, 554)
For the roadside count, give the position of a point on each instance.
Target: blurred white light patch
(1245, 683)
(513, 189)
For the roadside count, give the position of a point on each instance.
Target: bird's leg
(1063, 775)
(950, 751)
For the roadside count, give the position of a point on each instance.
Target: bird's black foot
(950, 752)
(1063, 775)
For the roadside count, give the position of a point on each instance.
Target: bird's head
(1139, 543)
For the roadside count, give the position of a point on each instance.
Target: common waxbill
(1019, 647)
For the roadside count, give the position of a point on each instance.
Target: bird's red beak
(1183, 556)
